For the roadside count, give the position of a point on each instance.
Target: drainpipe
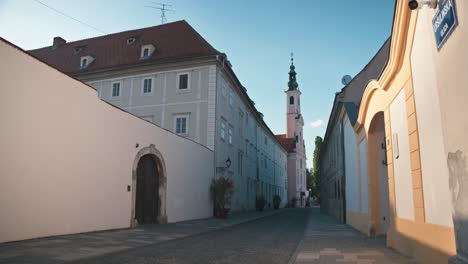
(343, 179)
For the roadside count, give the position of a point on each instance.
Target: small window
(148, 86)
(296, 138)
(130, 41)
(181, 123)
(266, 141)
(84, 62)
(145, 53)
(291, 100)
(115, 89)
(222, 131)
(230, 136)
(183, 81)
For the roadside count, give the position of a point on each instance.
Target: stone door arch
(149, 168)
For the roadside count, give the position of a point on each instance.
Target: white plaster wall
(364, 180)
(351, 168)
(66, 157)
(402, 168)
(435, 177)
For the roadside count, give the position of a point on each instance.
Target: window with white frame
(183, 82)
(147, 87)
(230, 135)
(115, 92)
(222, 130)
(181, 122)
(147, 51)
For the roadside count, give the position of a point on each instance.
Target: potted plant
(260, 203)
(293, 202)
(276, 201)
(221, 192)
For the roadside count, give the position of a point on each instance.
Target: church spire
(292, 84)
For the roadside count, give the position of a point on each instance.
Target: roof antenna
(163, 8)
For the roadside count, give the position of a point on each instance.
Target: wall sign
(444, 22)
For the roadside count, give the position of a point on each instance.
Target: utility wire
(70, 17)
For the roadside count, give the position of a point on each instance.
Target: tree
(313, 176)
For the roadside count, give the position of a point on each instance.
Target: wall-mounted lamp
(228, 163)
(417, 4)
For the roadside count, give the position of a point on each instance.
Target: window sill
(181, 91)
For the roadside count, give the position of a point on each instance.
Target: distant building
(293, 142)
(343, 192)
(170, 76)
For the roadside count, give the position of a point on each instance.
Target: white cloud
(316, 123)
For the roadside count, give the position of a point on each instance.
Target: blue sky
(329, 39)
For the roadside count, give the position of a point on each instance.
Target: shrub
(221, 191)
(276, 201)
(293, 202)
(260, 203)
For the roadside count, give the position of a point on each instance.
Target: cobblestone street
(285, 236)
(327, 241)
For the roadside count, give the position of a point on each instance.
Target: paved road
(268, 240)
(327, 241)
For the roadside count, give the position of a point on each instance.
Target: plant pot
(222, 213)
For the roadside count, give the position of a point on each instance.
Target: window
(291, 100)
(222, 130)
(183, 82)
(223, 88)
(130, 41)
(230, 135)
(181, 124)
(146, 51)
(266, 141)
(231, 99)
(84, 63)
(115, 89)
(147, 86)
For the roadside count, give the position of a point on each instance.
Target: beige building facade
(409, 135)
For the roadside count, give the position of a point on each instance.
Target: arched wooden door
(147, 191)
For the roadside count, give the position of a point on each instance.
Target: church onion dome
(292, 84)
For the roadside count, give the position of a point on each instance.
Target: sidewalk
(73, 247)
(327, 241)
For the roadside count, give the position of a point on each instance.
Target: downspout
(343, 180)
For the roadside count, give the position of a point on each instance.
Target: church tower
(293, 106)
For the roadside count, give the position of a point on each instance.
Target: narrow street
(288, 236)
(271, 239)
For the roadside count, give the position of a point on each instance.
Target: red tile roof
(173, 41)
(288, 143)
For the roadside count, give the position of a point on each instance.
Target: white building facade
(185, 86)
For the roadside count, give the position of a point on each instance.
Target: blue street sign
(444, 22)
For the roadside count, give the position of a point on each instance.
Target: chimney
(58, 41)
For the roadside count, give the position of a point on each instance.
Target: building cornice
(401, 29)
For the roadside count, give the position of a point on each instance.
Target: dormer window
(131, 41)
(146, 51)
(86, 61)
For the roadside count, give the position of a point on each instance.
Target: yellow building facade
(417, 109)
